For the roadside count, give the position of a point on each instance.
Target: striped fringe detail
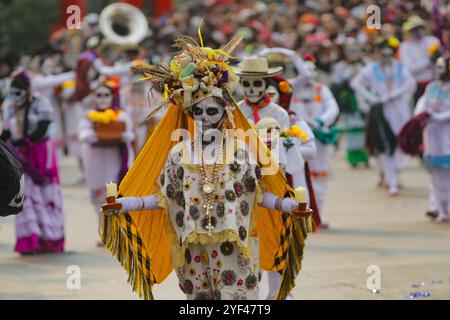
(123, 244)
(296, 231)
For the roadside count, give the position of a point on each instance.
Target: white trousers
(390, 166)
(434, 204)
(320, 186)
(440, 178)
(274, 284)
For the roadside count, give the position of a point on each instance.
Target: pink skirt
(40, 226)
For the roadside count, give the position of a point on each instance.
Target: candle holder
(111, 204)
(302, 211)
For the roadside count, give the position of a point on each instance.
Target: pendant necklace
(208, 183)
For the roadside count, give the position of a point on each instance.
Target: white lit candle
(300, 195)
(111, 190)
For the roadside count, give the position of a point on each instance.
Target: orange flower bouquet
(108, 128)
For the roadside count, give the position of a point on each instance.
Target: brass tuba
(123, 24)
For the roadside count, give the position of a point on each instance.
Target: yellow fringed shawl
(139, 239)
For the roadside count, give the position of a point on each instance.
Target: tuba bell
(123, 24)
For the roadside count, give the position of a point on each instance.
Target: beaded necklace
(208, 183)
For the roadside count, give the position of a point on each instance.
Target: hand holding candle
(111, 194)
(300, 198)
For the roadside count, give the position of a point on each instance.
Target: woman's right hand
(111, 209)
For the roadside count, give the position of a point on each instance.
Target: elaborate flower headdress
(195, 73)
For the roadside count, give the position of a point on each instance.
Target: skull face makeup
(209, 112)
(273, 94)
(352, 51)
(269, 131)
(254, 88)
(386, 54)
(48, 67)
(18, 95)
(443, 69)
(103, 98)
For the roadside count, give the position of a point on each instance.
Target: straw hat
(256, 67)
(413, 22)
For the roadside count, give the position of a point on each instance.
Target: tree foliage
(25, 25)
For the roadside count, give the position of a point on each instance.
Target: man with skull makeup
(258, 105)
(40, 225)
(217, 211)
(388, 87)
(270, 120)
(314, 102)
(436, 136)
(105, 162)
(351, 110)
(415, 53)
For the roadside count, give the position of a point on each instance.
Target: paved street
(367, 228)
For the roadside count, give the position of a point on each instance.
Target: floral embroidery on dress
(205, 222)
(238, 188)
(180, 173)
(220, 209)
(251, 281)
(235, 167)
(180, 219)
(230, 195)
(228, 277)
(194, 212)
(245, 208)
(170, 191)
(188, 286)
(250, 184)
(242, 233)
(226, 248)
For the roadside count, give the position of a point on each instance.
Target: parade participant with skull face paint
(284, 88)
(137, 107)
(40, 225)
(258, 105)
(105, 162)
(436, 136)
(85, 81)
(415, 53)
(45, 83)
(259, 109)
(314, 102)
(208, 195)
(352, 115)
(387, 85)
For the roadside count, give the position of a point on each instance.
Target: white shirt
(272, 110)
(414, 54)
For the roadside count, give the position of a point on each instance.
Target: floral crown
(194, 74)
